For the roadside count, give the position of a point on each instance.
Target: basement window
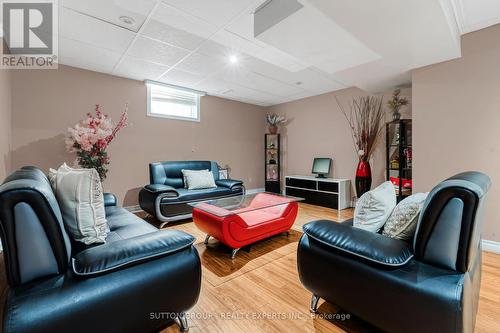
(167, 101)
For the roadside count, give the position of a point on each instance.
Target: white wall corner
(491, 246)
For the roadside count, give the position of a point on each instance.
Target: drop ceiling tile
(259, 82)
(222, 49)
(219, 87)
(278, 88)
(244, 100)
(198, 63)
(238, 90)
(111, 10)
(139, 69)
(213, 86)
(82, 55)
(284, 90)
(181, 78)
(270, 70)
(178, 28)
(314, 80)
(83, 64)
(218, 51)
(281, 59)
(80, 27)
(298, 96)
(310, 79)
(155, 51)
(171, 35)
(234, 42)
(237, 76)
(250, 100)
(217, 12)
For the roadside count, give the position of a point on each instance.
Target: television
(321, 166)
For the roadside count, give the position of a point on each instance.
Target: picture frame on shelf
(224, 172)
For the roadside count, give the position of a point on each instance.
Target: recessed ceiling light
(126, 19)
(233, 59)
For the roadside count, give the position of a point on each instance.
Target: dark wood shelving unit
(399, 156)
(272, 158)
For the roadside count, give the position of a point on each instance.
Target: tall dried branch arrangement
(366, 118)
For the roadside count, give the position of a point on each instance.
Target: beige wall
(456, 111)
(46, 102)
(5, 122)
(317, 128)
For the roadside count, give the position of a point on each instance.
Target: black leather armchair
(431, 285)
(140, 280)
(166, 198)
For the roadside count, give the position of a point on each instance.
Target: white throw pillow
(80, 197)
(184, 178)
(403, 220)
(198, 179)
(374, 207)
(186, 171)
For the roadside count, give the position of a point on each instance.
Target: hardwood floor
(259, 291)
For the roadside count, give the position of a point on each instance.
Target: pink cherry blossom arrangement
(90, 138)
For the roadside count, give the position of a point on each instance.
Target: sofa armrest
(109, 199)
(161, 189)
(117, 255)
(229, 183)
(360, 243)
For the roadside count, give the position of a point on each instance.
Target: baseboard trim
(137, 208)
(256, 190)
(491, 246)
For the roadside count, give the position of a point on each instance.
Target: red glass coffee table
(243, 220)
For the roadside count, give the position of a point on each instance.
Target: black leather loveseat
(166, 198)
(138, 281)
(431, 285)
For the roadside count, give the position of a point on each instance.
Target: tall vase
(396, 115)
(363, 177)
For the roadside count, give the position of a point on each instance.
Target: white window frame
(198, 94)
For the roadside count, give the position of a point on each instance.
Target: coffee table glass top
(223, 207)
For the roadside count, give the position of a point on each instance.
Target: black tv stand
(327, 192)
(320, 175)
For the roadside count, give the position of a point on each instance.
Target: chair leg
(206, 239)
(163, 224)
(233, 254)
(314, 303)
(183, 324)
